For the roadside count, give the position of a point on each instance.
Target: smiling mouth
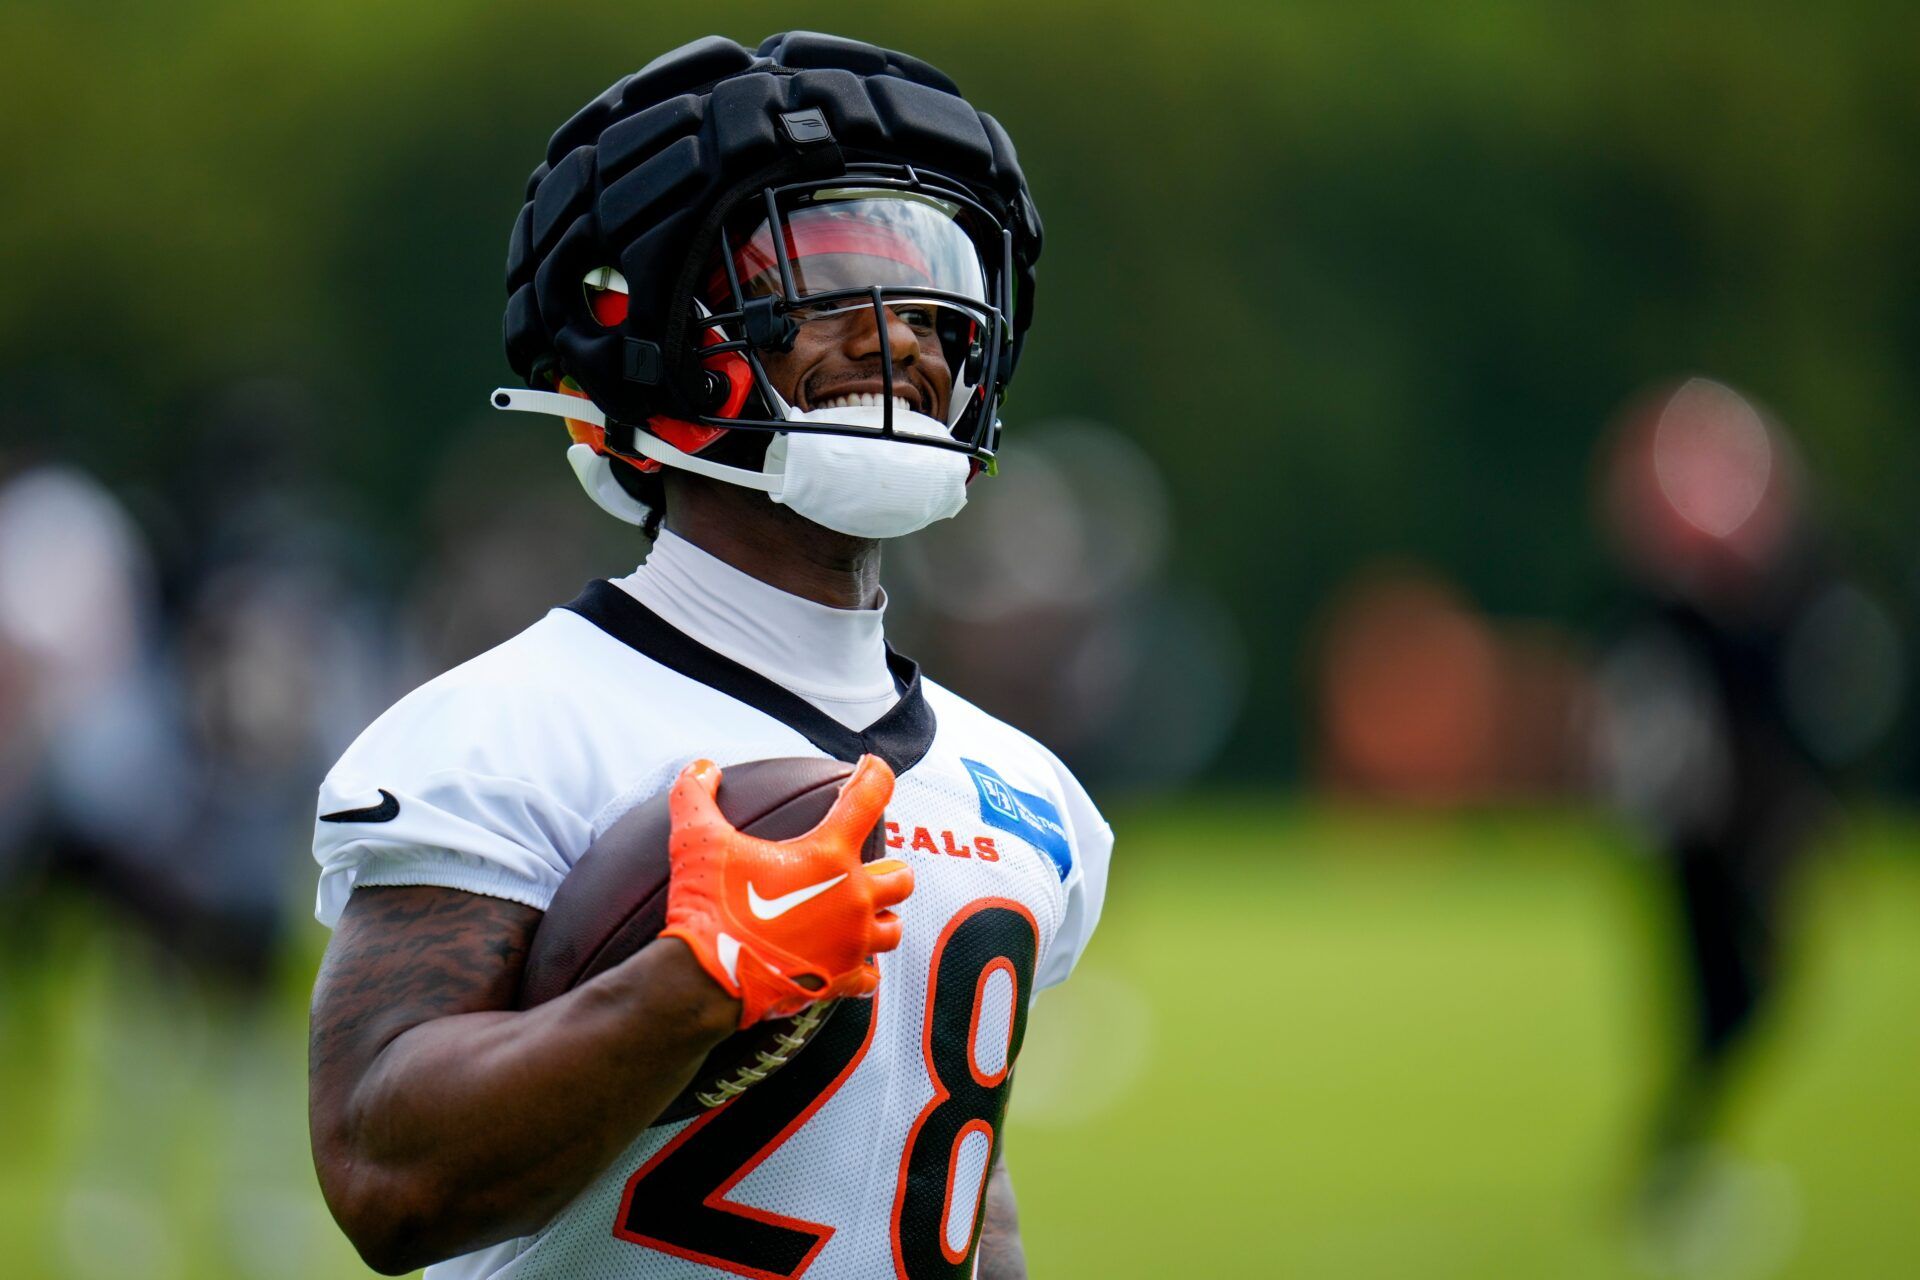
(865, 400)
(869, 391)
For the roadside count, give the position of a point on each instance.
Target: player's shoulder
(1022, 787)
(485, 778)
(541, 664)
(965, 725)
(989, 745)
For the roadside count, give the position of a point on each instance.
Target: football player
(777, 295)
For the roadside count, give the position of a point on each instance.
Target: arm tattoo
(406, 955)
(1001, 1255)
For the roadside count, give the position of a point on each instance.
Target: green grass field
(1306, 1043)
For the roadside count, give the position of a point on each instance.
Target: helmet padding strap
(648, 445)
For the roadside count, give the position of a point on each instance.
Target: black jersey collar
(901, 737)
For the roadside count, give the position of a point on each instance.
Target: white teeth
(864, 400)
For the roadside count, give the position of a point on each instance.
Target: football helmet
(690, 221)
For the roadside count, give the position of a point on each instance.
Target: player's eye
(919, 316)
(923, 318)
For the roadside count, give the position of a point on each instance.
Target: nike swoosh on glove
(783, 923)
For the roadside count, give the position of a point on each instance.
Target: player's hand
(781, 924)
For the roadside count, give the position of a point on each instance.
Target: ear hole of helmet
(729, 379)
(607, 300)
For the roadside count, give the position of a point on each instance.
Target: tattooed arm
(443, 1121)
(1002, 1257)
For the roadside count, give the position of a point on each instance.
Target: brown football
(614, 902)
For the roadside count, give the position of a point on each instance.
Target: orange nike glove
(781, 924)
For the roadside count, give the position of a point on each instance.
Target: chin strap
(594, 471)
(552, 403)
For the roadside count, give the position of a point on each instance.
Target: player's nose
(860, 339)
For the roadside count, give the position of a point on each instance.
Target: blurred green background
(1357, 282)
(1309, 1042)
(1363, 278)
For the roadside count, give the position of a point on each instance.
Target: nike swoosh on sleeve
(769, 908)
(386, 811)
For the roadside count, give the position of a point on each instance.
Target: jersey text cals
(922, 841)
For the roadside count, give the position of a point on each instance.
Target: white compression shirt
(834, 658)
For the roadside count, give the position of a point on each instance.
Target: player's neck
(766, 541)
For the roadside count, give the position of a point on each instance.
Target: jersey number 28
(677, 1202)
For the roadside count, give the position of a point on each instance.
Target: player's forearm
(475, 1128)
(1001, 1255)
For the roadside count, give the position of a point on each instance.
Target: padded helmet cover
(636, 180)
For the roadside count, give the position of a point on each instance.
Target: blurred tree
(1363, 277)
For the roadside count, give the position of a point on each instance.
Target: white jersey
(867, 1155)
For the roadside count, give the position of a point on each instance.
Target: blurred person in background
(279, 656)
(163, 704)
(169, 700)
(1423, 699)
(90, 739)
(502, 541)
(1754, 673)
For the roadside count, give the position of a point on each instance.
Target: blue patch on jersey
(1033, 818)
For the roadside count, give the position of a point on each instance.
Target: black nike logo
(386, 811)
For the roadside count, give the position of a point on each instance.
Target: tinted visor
(838, 245)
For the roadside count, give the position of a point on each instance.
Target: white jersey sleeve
(1091, 840)
(473, 781)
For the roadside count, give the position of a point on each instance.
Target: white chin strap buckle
(553, 404)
